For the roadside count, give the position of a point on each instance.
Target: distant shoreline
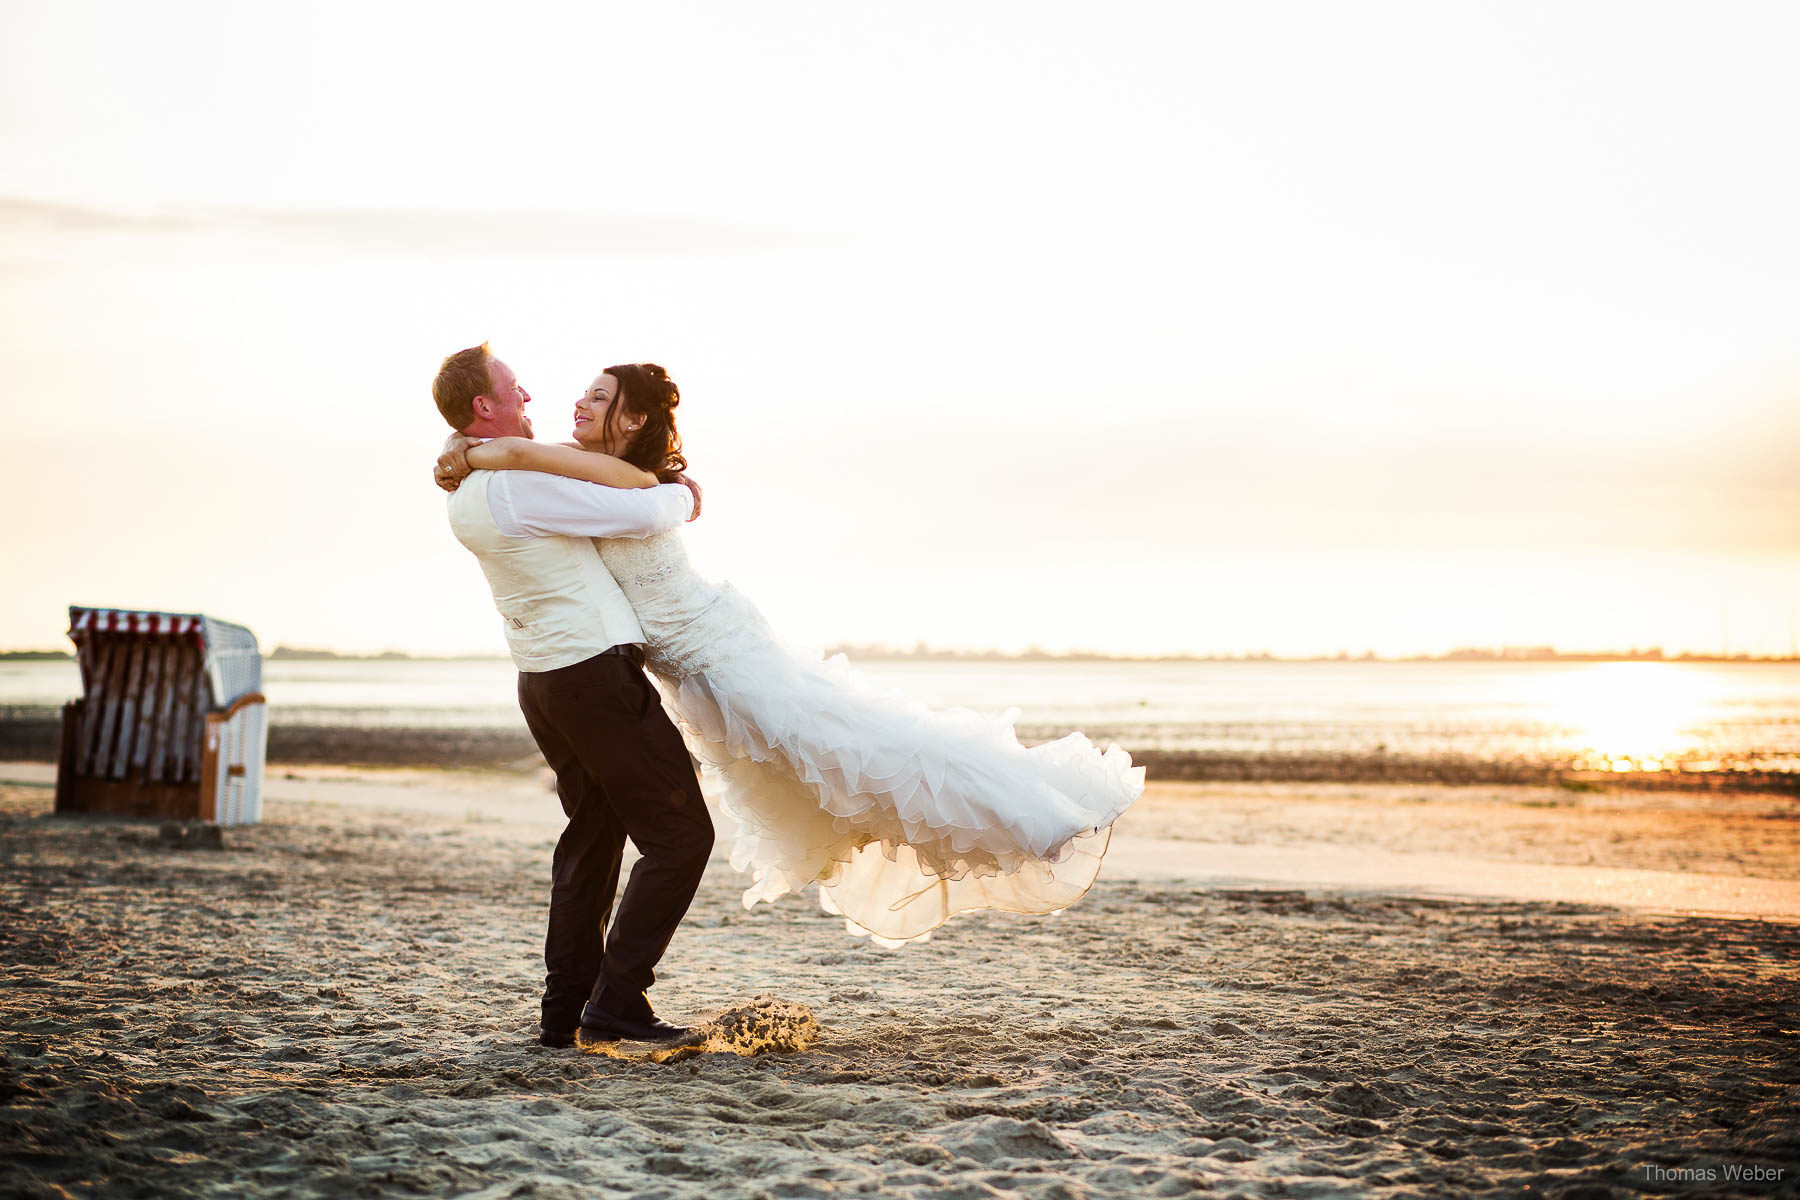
(888, 654)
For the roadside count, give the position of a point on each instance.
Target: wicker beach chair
(171, 722)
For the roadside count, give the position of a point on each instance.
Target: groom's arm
(532, 504)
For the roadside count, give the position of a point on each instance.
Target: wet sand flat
(1754, 834)
(1721, 854)
(343, 1002)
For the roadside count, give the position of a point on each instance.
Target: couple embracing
(902, 815)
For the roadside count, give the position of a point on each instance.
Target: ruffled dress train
(903, 815)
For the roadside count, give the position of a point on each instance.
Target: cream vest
(559, 603)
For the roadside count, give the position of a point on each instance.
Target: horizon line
(876, 652)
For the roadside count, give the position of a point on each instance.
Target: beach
(343, 1001)
(1373, 426)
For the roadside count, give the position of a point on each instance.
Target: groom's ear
(482, 407)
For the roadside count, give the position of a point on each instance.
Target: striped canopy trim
(115, 620)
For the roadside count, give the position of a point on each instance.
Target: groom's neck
(483, 428)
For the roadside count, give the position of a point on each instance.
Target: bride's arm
(522, 454)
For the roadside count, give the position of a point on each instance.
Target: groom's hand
(694, 488)
(453, 464)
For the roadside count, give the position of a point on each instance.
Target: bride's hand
(694, 488)
(453, 464)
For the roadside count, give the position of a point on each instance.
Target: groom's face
(507, 401)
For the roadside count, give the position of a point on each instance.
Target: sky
(1141, 328)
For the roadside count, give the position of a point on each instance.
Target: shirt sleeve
(533, 504)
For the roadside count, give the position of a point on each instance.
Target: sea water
(1645, 714)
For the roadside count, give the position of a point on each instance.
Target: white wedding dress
(903, 815)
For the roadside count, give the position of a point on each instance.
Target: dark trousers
(621, 772)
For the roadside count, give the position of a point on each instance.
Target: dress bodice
(690, 623)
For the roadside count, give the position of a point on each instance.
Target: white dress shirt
(533, 504)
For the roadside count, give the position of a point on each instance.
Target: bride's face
(600, 421)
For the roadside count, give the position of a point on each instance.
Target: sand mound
(766, 1025)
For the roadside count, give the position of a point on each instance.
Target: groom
(621, 768)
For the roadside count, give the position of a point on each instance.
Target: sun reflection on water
(1634, 716)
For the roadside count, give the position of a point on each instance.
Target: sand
(343, 1001)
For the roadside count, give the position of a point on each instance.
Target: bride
(903, 815)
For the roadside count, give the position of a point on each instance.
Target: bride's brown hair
(647, 390)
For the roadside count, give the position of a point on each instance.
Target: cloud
(520, 232)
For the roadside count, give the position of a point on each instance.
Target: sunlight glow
(1634, 716)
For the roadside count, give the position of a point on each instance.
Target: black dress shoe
(556, 1037)
(598, 1025)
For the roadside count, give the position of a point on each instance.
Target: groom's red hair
(463, 377)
